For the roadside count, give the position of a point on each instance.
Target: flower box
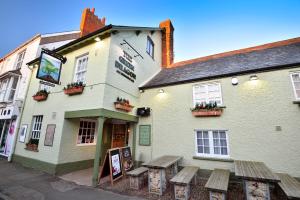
(40, 97)
(123, 107)
(32, 147)
(207, 113)
(74, 90)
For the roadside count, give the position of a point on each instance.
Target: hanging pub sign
(124, 67)
(50, 66)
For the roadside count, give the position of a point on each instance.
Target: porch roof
(101, 112)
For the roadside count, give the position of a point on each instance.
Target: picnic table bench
(256, 177)
(161, 170)
(217, 184)
(182, 182)
(289, 185)
(138, 177)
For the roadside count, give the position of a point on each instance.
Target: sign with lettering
(145, 135)
(124, 67)
(126, 159)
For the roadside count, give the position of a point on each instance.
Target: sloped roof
(265, 57)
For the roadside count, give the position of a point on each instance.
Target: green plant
(206, 106)
(74, 85)
(42, 93)
(122, 101)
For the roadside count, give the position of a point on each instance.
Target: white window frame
(211, 145)
(44, 87)
(293, 83)
(36, 129)
(95, 134)
(77, 71)
(150, 47)
(207, 98)
(11, 89)
(20, 58)
(4, 90)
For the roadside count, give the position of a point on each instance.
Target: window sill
(296, 102)
(213, 159)
(86, 145)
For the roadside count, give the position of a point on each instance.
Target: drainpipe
(20, 116)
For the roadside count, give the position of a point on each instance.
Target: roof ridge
(237, 51)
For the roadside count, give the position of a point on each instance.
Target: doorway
(4, 127)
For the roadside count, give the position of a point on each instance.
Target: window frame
(150, 41)
(211, 144)
(293, 84)
(206, 84)
(17, 62)
(33, 126)
(95, 134)
(75, 77)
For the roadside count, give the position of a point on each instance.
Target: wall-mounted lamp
(161, 91)
(234, 80)
(253, 77)
(142, 91)
(97, 39)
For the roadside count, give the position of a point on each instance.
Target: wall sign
(145, 135)
(50, 67)
(49, 136)
(22, 133)
(124, 67)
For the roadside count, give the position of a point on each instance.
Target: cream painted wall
(253, 109)
(57, 103)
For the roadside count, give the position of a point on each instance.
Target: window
(296, 84)
(205, 93)
(87, 130)
(212, 143)
(20, 59)
(3, 88)
(150, 47)
(13, 88)
(36, 127)
(81, 68)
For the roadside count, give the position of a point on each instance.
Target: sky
(202, 27)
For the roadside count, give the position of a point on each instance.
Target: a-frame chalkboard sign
(112, 165)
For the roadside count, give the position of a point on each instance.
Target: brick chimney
(167, 43)
(90, 22)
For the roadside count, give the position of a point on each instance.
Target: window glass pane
(297, 85)
(224, 151)
(205, 134)
(206, 150)
(216, 142)
(223, 143)
(200, 149)
(222, 135)
(200, 142)
(217, 150)
(296, 77)
(206, 142)
(298, 93)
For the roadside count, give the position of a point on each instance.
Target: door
(119, 135)
(106, 140)
(4, 127)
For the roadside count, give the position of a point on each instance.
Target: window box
(41, 95)
(74, 88)
(123, 105)
(32, 147)
(207, 110)
(207, 113)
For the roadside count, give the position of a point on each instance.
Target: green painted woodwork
(134, 141)
(98, 151)
(100, 113)
(51, 168)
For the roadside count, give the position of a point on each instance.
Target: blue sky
(202, 27)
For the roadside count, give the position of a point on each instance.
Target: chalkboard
(115, 163)
(145, 135)
(112, 165)
(126, 159)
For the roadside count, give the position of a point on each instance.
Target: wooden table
(161, 170)
(256, 177)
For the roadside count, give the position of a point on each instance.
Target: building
(256, 91)
(14, 79)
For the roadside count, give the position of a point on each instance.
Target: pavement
(17, 182)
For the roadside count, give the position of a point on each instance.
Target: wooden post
(134, 140)
(98, 151)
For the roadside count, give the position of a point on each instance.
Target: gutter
(267, 69)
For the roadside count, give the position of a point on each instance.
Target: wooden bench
(138, 177)
(182, 182)
(217, 184)
(289, 185)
